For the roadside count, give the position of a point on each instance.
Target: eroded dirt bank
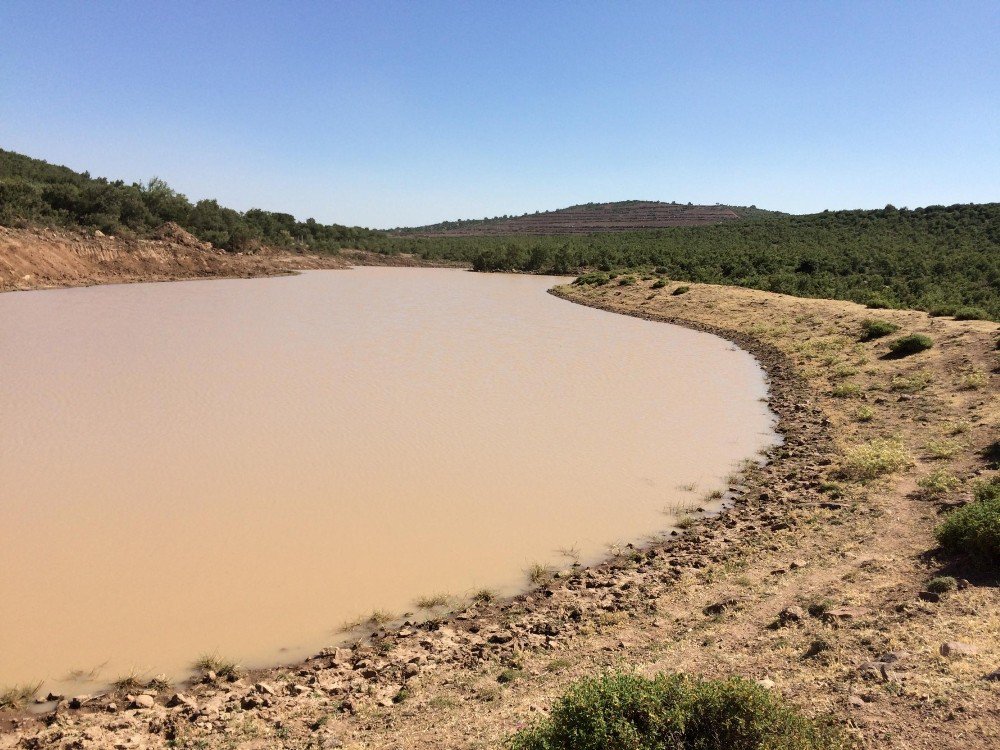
(810, 582)
(37, 258)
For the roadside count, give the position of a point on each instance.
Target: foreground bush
(915, 342)
(974, 529)
(674, 712)
(971, 313)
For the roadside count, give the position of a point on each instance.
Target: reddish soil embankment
(38, 258)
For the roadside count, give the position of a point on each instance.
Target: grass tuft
(681, 290)
(874, 459)
(18, 696)
(432, 601)
(484, 596)
(539, 574)
(223, 668)
(939, 482)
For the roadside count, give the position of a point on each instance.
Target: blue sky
(399, 113)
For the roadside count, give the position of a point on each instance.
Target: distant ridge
(588, 218)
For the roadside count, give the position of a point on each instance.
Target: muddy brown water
(241, 466)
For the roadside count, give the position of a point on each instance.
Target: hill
(589, 218)
(34, 192)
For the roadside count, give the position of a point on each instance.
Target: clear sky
(400, 113)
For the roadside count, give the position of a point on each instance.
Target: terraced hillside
(588, 218)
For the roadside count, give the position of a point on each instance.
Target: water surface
(241, 466)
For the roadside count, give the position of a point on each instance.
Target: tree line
(33, 191)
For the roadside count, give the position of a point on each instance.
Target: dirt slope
(43, 258)
(845, 561)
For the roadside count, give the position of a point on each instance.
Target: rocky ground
(813, 582)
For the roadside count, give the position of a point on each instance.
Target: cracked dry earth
(810, 582)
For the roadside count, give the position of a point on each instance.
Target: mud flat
(810, 582)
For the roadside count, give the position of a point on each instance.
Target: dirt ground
(811, 582)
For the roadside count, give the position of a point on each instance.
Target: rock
(930, 596)
(856, 701)
(142, 701)
(893, 656)
(791, 614)
(958, 649)
(299, 690)
(264, 688)
(844, 614)
(179, 699)
(501, 637)
(766, 682)
(796, 564)
(993, 676)
(78, 700)
(719, 607)
(411, 670)
(111, 708)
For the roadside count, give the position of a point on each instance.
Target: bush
(659, 284)
(942, 584)
(681, 290)
(940, 311)
(597, 279)
(871, 460)
(915, 342)
(971, 313)
(674, 712)
(974, 529)
(626, 281)
(874, 328)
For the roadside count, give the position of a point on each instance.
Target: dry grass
(433, 601)
(223, 668)
(18, 696)
(875, 459)
(539, 574)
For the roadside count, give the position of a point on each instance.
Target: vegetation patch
(938, 482)
(874, 328)
(912, 344)
(18, 696)
(874, 459)
(681, 290)
(674, 712)
(971, 313)
(974, 529)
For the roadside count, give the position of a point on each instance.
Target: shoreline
(587, 611)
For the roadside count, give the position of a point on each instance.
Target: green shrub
(595, 279)
(915, 342)
(681, 290)
(940, 311)
(971, 313)
(942, 584)
(879, 302)
(626, 281)
(674, 712)
(659, 284)
(874, 328)
(974, 529)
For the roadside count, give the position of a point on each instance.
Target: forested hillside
(944, 259)
(939, 258)
(33, 191)
(587, 218)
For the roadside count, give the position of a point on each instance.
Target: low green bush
(974, 529)
(874, 328)
(971, 313)
(681, 290)
(596, 279)
(659, 284)
(674, 712)
(626, 281)
(942, 584)
(915, 342)
(940, 311)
